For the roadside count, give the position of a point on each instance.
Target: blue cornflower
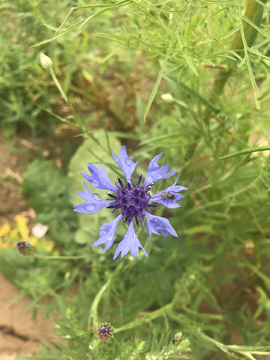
(134, 201)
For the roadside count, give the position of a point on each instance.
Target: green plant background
(113, 61)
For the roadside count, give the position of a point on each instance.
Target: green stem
(61, 257)
(79, 121)
(58, 85)
(246, 151)
(149, 317)
(93, 312)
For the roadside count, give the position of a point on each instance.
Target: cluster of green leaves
(22, 80)
(47, 188)
(211, 281)
(28, 94)
(47, 191)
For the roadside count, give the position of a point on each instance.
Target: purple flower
(164, 197)
(130, 242)
(132, 199)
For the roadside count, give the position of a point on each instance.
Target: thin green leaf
(80, 23)
(71, 354)
(256, 52)
(245, 151)
(111, 54)
(252, 79)
(149, 7)
(256, 27)
(264, 5)
(261, 275)
(123, 3)
(233, 31)
(189, 62)
(192, 93)
(160, 75)
(116, 38)
(85, 7)
(161, 137)
(147, 45)
(73, 27)
(150, 316)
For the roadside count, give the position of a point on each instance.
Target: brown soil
(19, 334)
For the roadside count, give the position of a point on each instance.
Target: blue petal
(129, 243)
(107, 232)
(170, 204)
(174, 190)
(99, 178)
(156, 173)
(125, 162)
(158, 225)
(92, 203)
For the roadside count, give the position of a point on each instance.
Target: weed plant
(209, 61)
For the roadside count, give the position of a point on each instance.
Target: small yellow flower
(4, 230)
(22, 225)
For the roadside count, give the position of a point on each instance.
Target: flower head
(25, 248)
(134, 200)
(105, 332)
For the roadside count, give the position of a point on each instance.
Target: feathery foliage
(112, 60)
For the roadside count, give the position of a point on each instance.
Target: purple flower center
(103, 331)
(131, 199)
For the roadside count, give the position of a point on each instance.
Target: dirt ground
(19, 334)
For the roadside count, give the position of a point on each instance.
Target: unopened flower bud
(167, 98)
(25, 248)
(176, 338)
(46, 62)
(105, 332)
